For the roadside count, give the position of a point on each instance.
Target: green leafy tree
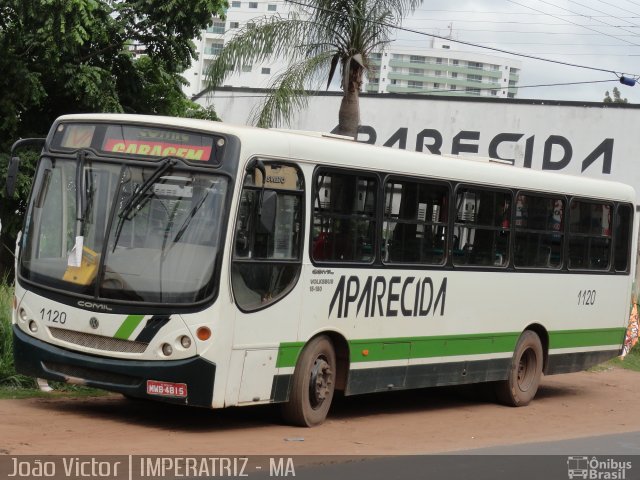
(316, 38)
(617, 98)
(72, 56)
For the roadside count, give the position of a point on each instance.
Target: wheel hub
(320, 383)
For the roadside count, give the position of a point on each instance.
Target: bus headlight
(22, 313)
(167, 350)
(33, 326)
(185, 341)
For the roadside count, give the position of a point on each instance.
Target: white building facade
(442, 70)
(239, 14)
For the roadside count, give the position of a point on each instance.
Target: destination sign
(138, 140)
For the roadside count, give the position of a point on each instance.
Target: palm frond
(269, 37)
(290, 91)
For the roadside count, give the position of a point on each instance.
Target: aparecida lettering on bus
(397, 296)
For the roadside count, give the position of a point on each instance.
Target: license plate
(166, 389)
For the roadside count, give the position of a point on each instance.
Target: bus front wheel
(525, 372)
(313, 384)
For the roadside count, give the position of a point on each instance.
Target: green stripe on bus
(128, 326)
(288, 354)
(586, 338)
(386, 349)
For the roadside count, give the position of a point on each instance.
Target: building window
(376, 56)
(438, 73)
(474, 78)
(436, 86)
(514, 71)
(454, 74)
(416, 71)
(253, 4)
(416, 59)
(447, 47)
(414, 84)
(272, 7)
(234, 24)
(439, 61)
(214, 49)
(235, 4)
(452, 87)
(266, 71)
(216, 27)
(472, 91)
(494, 93)
(455, 62)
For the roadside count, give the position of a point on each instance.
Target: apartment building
(438, 68)
(239, 14)
(442, 70)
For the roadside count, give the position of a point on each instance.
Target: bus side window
(415, 222)
(344, 217)
(623, 222)
(589, 235)
(267, 261)
(539, 235)
(481, 227)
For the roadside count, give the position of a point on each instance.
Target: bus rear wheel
(525, 372)
(313, 384)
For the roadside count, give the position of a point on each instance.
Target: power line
(515, 87)
(568, 21)
(515, 22)
(619, 8)
(599, 11)
(524, 55)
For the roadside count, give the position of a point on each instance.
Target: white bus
(206, 264)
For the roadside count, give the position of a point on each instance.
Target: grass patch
(630, 362)
(14, 385)
(13, 393)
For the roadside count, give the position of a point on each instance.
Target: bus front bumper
(129, 377)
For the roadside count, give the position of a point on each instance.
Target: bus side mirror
(267, 212)
(12, 176)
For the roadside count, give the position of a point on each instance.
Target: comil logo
(597, 468)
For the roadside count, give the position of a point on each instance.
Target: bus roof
(318, 148)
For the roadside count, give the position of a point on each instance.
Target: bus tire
(525, 372)
(313, 384)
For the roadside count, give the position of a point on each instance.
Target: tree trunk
(349, 114)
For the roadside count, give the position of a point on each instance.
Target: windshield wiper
(192, 214)
(81, 199)
(166, 164)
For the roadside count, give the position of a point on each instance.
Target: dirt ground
(416, 422)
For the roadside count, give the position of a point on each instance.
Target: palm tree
(316, 37)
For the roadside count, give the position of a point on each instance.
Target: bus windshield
(148, 233)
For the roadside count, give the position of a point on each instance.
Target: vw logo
(93, 322)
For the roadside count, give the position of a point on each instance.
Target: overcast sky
(603, 34)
